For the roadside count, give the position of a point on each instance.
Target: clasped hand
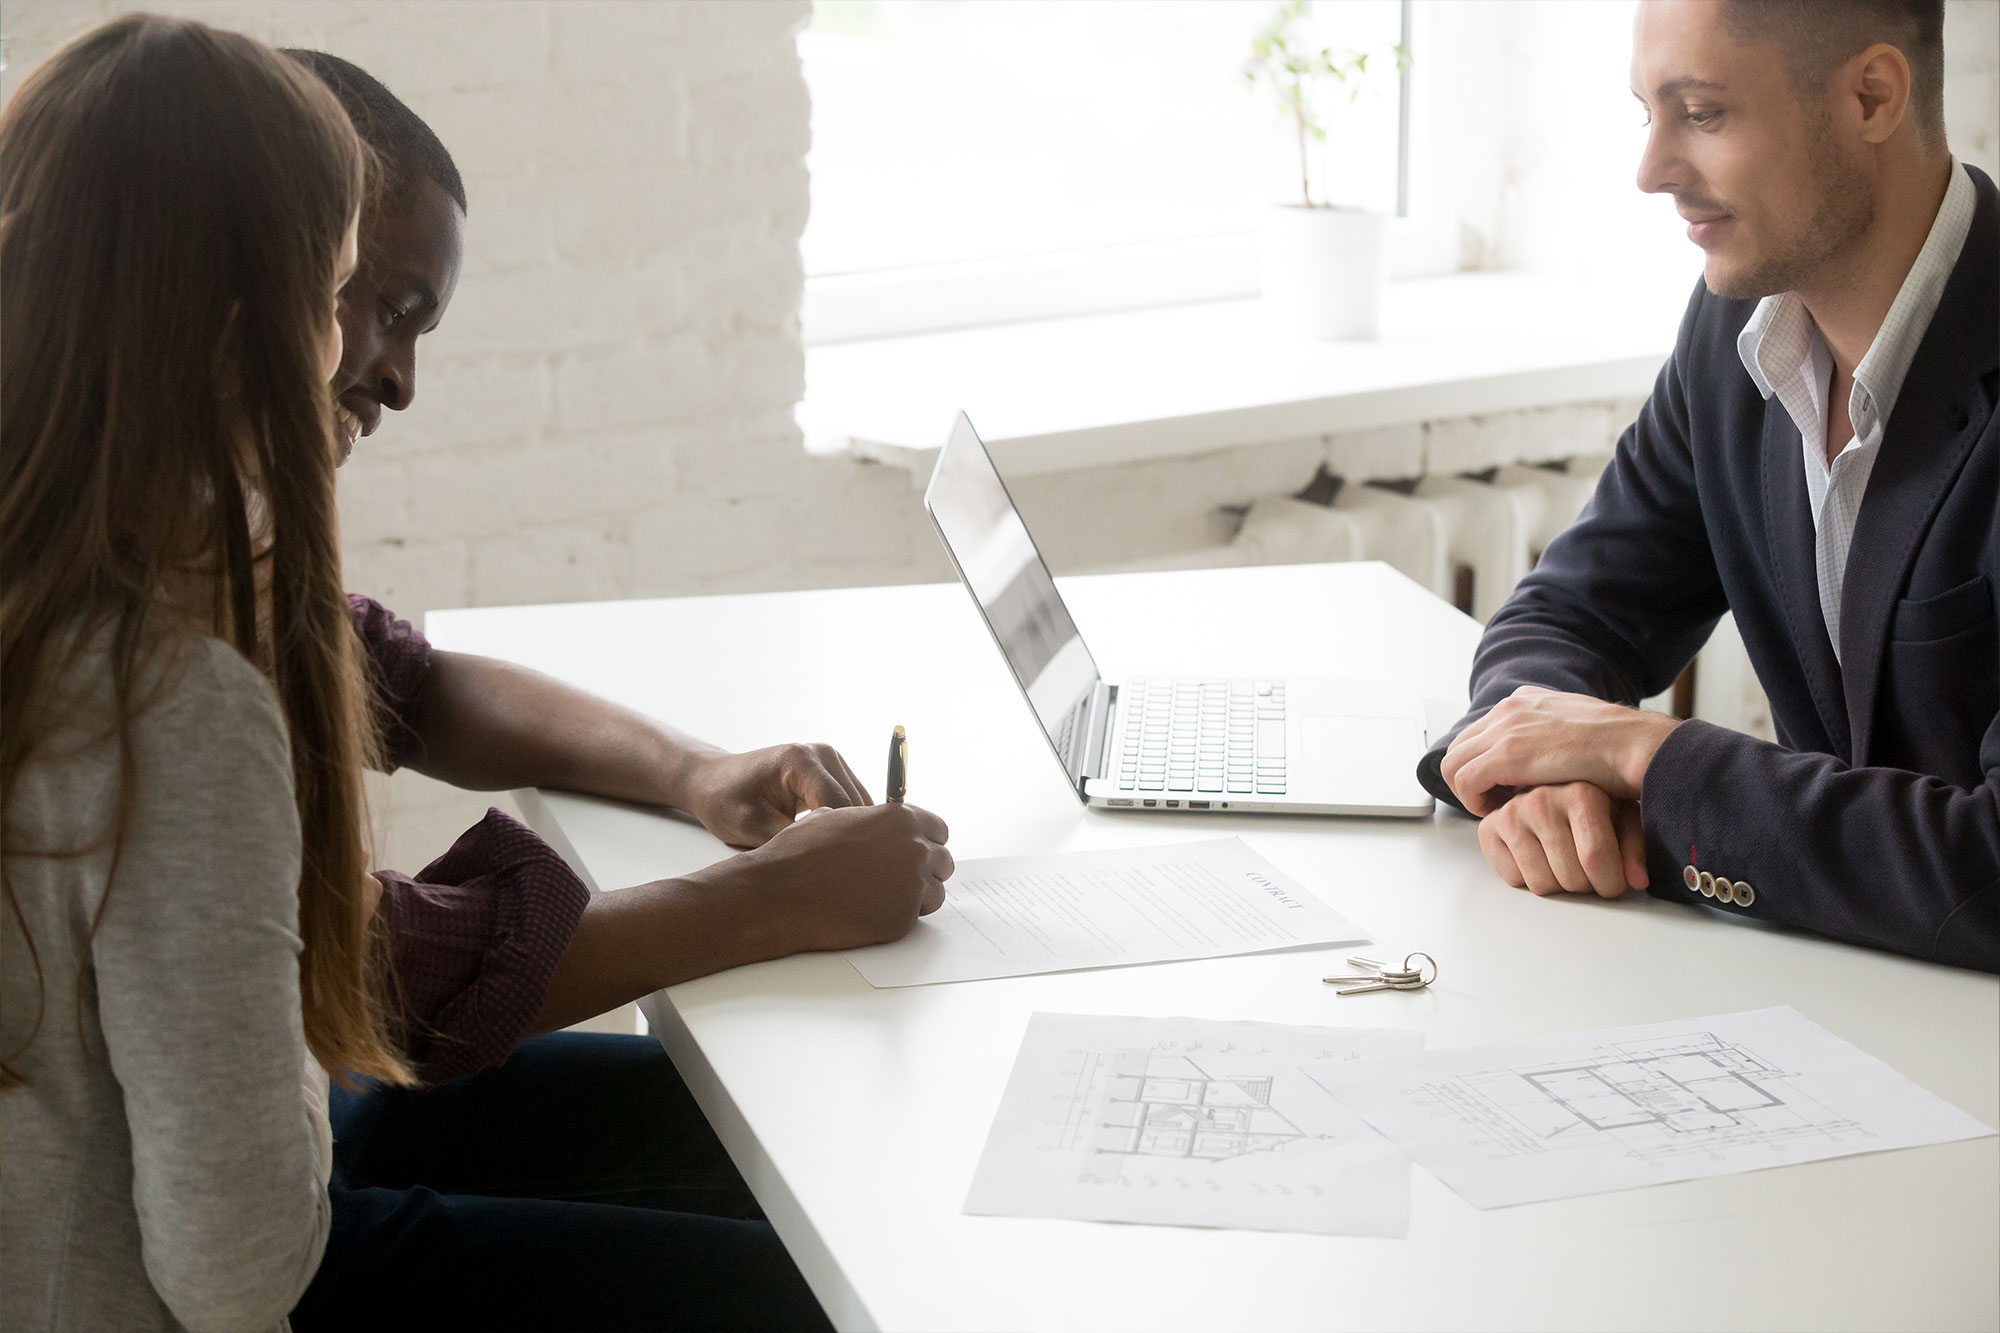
(1557, 778)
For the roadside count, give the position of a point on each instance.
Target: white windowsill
(1064, 394)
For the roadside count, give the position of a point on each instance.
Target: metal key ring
(1419, 971)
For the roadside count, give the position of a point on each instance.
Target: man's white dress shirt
(1782, 349)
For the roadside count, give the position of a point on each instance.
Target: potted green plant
(1323, 264)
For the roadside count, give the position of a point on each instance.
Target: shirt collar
(1779, 337)
(1775, 342)
(1887, 362)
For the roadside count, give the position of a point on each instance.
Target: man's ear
(1877, 84)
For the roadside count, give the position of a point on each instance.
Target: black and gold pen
(899, 766)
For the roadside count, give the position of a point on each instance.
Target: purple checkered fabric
(475, 936)
(398, 660)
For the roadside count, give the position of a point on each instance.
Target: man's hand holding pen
(840, 877)
(862, 874)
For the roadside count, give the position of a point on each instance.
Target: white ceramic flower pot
(1323, 271)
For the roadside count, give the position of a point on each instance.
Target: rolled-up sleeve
(475, 936)
(474, 939)
(398, 660)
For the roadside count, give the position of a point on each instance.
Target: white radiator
(1469, 539)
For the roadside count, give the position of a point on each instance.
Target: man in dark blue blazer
(1818, 457)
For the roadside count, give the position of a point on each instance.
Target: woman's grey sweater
(161, 1166)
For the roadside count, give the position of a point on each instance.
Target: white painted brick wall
(606, 411)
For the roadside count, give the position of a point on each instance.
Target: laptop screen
(1005, 574)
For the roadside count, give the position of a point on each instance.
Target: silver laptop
(1165, 742)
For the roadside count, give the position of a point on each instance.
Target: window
(975, 161)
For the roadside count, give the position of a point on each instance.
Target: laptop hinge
(1096, 740)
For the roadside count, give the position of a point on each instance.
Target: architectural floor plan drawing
(1164, 1105)
(1609, 1110)
(1658, 1098)
(1191, 1122)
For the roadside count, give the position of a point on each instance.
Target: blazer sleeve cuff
(1430, 772)
(1670, 799)
(1888, 859)
(1430, 768)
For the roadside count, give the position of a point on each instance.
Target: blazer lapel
(1788, 528)
(1939, 415)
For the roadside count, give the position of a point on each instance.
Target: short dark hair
(1820, 35)
(403, 144)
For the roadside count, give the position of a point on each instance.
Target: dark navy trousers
(576, 1186)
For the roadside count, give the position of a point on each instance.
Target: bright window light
(955, 131)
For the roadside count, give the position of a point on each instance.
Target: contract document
(1011, 916)
(1190, 1122)
(1609, 1110)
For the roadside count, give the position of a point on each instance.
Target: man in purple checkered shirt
(544, 1178)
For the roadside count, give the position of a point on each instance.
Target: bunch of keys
(1409, 976)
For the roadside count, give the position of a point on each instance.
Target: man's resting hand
(1570, 838)
(1537, 737)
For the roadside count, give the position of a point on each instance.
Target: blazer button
(1690, 878)
(1745, 895)
(1707, 885)
(1725, 892)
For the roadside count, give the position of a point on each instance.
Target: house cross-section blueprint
(1597, 1111)
(1191, 1122)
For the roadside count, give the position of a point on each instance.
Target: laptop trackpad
(1350, 746)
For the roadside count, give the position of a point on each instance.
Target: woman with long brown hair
(185, 939)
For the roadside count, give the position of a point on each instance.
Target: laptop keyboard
(1203, 737)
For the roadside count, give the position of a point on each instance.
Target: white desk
(857, 1115)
